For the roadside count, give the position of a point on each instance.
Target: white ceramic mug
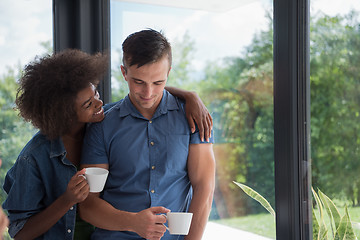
(96, 178)
(178, 222)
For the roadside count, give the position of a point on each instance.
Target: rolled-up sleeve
(94, 149)
(25, 191)
(16, 226)
(195, 138)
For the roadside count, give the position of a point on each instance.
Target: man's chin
(147, 106)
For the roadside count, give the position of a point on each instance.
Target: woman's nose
(98, 103)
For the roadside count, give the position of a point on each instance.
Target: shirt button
(69, 230)
(152, 143)
(152, 191)
(152, 167)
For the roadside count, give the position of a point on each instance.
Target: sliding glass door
(225, 53)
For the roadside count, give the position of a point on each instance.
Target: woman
(57, 94)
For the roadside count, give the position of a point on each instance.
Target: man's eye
(138, 82)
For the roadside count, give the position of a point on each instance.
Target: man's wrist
(129, 221)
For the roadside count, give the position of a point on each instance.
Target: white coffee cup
(179, 222)
(96, 178)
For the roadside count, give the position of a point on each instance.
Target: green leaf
(256, 196)
(349, 230)
(315, 225)
(322, 234)
(345, 230)
(331, 210)
(341, 231)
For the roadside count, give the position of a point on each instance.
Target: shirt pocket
(177, 151)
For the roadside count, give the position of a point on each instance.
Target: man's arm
(201, 170)
(195, 111)
(147, 223)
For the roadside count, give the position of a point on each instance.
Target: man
(156, 163)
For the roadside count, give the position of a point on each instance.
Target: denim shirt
(147, 159)
(39, 176)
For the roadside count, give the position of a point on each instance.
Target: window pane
(335, 101)
(227, 57)
(25, 31)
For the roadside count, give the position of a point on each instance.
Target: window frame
(292, 120)
(85, 24)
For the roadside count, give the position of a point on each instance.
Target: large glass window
(226, 55)
(25, 31)
(335, 111)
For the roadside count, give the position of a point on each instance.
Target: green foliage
(14, 131)
(182, 51)
(119, 87)
(337, 227)
(240, 92)
(335, 112)
(256, 196)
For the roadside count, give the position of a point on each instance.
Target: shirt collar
(168, 103)
(57, 148)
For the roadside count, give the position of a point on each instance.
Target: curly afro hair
(49, 86)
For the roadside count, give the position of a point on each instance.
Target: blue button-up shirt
(39, 176)
(147, 159)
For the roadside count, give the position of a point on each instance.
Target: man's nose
(147, 91)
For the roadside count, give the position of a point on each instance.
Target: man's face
(146, 85)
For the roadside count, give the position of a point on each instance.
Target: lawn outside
(264, 224)
(261, 224)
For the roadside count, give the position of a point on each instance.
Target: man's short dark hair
(144, 47)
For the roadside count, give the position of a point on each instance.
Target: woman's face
(89, 106)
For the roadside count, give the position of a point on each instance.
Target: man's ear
(169, 71)
(123, 71)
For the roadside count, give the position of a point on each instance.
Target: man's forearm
(148, 223)
(101, 214)
(200, 207)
